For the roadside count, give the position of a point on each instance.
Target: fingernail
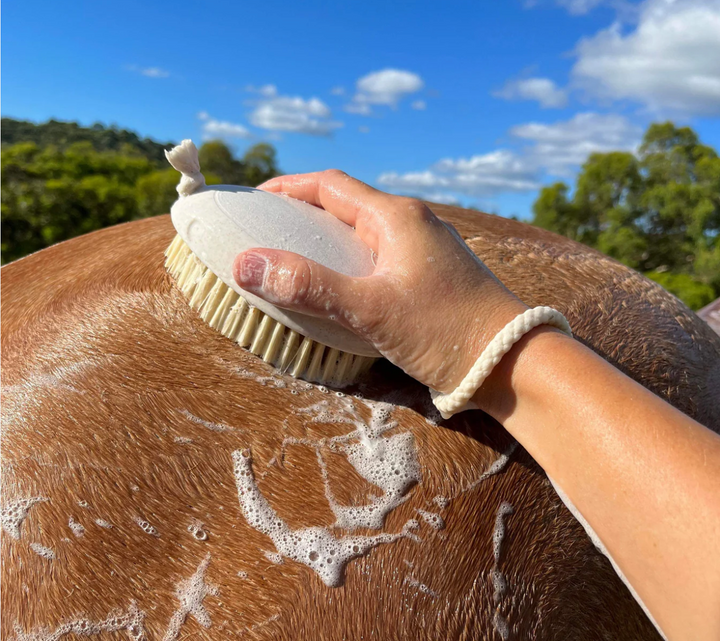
(251, 271)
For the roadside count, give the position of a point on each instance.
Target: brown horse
(123, 413)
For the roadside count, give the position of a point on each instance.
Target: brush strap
(501, 344)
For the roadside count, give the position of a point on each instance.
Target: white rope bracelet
(501, 344)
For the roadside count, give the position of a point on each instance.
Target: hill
(60, 180)
(63, 134)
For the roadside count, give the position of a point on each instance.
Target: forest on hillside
(657, 211)
(60, 180)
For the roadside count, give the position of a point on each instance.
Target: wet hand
(430, 305)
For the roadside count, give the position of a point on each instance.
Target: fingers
(293, 282)
(350, 200)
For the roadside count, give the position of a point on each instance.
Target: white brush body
(219, 222)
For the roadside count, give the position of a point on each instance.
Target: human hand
(430, 306)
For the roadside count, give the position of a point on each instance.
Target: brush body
(214, 225)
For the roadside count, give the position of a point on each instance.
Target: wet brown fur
(101, 355)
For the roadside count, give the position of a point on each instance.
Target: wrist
(478, 332)
(518, 377)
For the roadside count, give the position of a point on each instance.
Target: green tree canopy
(63, 134)
(86, 179)
(657, 211)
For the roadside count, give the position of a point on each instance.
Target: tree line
(60, 180)
(656, 210)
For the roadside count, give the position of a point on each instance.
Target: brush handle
(221, 221)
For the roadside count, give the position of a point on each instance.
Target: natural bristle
(230, 314)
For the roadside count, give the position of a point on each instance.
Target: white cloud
(583, 7)
(212, 128)
(268, 91)
(155, 72)
(544, 90)
(543, 149)
(338, 91)
(419, 105)
(579, 7)
(149, 72)
(560, 147)
(442, 198)
(364, 130)
(292, 114)
(482, 175)
(667, 62)
(361, 109)
(386, 87)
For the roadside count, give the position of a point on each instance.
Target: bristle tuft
(230, 314)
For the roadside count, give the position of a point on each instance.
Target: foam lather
(216, 223)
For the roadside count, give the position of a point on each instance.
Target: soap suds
(267, 621)
(215, 427)
(412, 581)
(315, 547)
(15, 512)
(498, 578)
(131, 621)
(103, 523)
(55, 379)
(18, 399)
(191, 593)
(322, 412)
(389, 463)
(499, 531)
(433, 519)
(501, 626)
(273, 557)
(497, 467)
(44, 552)
(272, 380)
(77, 529)
(196, 528)
(146, 527)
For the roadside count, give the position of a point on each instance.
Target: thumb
(293, 282)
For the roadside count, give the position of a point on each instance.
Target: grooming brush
(215, 223)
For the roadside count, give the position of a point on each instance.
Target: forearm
(644, 475)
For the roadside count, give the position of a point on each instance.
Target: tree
(260, 164)
(157, 191)
(49, 195)
(657, 211)
(257, 165)
(63, 134)
(216, 158)
(66, 180)
(554, 211)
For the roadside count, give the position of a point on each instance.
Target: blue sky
(476, 102)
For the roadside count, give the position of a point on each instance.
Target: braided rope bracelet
(501, 344)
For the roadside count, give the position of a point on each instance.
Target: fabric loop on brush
(501, 344)
(184, 158)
